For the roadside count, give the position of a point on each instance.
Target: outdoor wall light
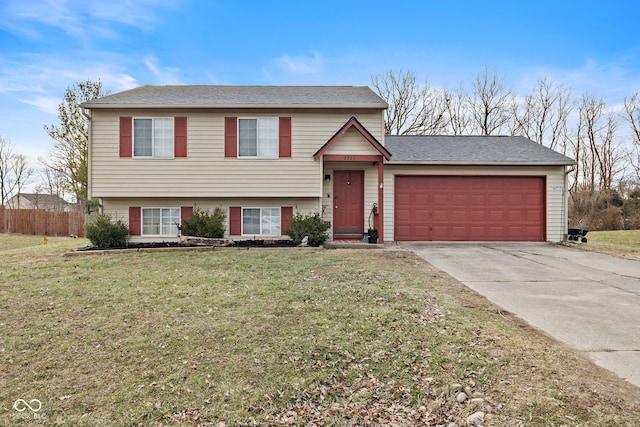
(327, 178)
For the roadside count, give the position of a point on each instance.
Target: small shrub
(104, 233)
(204, 223)
(309, 225)
(631, 211)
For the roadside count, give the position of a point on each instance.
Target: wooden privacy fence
(41, 222)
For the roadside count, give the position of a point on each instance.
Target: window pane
(268, 137)
(271, 221)
(150, 221)
(142, 135)
(251, 221)
(163, 137)
(247, 137)
(170, 220)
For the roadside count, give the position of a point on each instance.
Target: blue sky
(48, 45)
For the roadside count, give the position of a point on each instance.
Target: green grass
(11, 242)
(274, 337)
(622, 243)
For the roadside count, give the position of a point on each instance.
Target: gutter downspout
(88, 114)
(565, 201)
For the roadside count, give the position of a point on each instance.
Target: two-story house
(262, 152)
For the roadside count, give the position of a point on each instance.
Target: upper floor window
(153, 137)
(258, 137)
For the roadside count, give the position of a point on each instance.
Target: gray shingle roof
(45, 199)
(208, 96)
(471, 150)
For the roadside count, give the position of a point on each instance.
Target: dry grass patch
(620, 243)
(282, 337)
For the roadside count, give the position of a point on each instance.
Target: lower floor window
(264, 221)
(160, 221)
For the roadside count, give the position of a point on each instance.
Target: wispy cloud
(295, 68)
(300, 64)
(37, 80)
(163, 75)
(610, 80)
(80, 19)
(46, 104)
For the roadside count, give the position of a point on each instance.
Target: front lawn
(620, 243)
(277, 337)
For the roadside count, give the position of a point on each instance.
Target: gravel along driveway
(587, 300)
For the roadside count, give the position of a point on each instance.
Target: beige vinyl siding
(119, 208)
(206, 172)
(352, 143)
(555, 183)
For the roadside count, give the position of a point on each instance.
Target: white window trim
(261, 207)
(152, 156)
(277, 155)
(142, 209)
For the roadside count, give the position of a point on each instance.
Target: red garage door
(470, 208)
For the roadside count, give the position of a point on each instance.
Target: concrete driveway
(587, 300)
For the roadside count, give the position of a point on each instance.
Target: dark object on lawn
(577, 234)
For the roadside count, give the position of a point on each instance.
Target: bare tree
(414, 109)
(69, 155)
(14, 171)
(52, 182)
(6, 154)
(489, 103)
(22, 173)
(632, 116)
(456, 114)
(542, 116)
(597, 152)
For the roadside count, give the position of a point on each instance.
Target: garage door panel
(475, 215)
(493, 208)
(477, 200)
(420, 199)
(496, 215)
(532, 216)
(496, 199)
(457, 199)
(403, 199)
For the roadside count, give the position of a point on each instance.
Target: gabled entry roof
(355, 124)
(463, 149)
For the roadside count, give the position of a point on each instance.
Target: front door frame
(339, 192)
(375, 160)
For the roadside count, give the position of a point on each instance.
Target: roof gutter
(477, 163)
(90, 106)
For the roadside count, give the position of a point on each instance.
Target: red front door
(348, 204)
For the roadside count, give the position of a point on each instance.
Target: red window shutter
(134, 220)
(285, 137)
(231, 137)
(126, 136)
(180, 136)
(235, 221)
(286, 213)
(185, 212)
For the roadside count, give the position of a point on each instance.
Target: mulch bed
(285, 243)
